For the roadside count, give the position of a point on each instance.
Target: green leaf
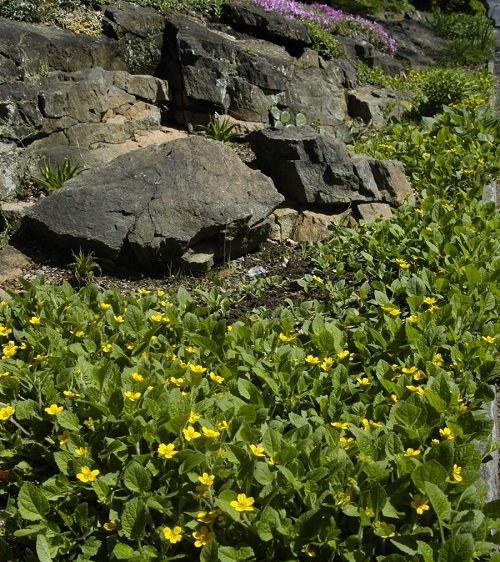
(210, 552)
(438, 500)
(137, 478)
(31, 502)
(124, 552)
(269, 520)
(42, 549)
(430, 471)
(191, 460)
(457, 549)
(230, 554)
(68, 420)
(133, 519)
(425, 551)
(26, 409)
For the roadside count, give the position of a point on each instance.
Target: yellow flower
(413, 318)
(340, 425)
(312, 360)
(222, 425)
(403, 264)
(70, 394)
(172, 535)
(412, 452)
(160, 293)
(434, 442)
(167, 450)
(419, 375)
(159, 317)
(392, 310)
(211, 433)
(9, 349)
(137, 377)
(327, 363)
(35, 321)
(190, 349)
(216, 378)
(286, 339)
(365, 381)
(446, 433)
(79, 333)
(437, 359)
(197, 369)
(243, 503)
(418, 389)
(64, 438)
(53, 409)
(110, 526)
(132, 396)
(420, 504)
(347, 442)
(430, 301)
(202, 536)
(104, 306)
(177, 381)
(456, 473)
(87, 475)
(207, 517)
(409, 370)
(119, 319)
(6, 412)
(366, 423)
(190, 433)
(144, 291)
(4, 331)
(193, 417)
(206, 479)
(257, 450)
(81, 451)
(343, 354)
(107, 347)
(393, 398)
(488, 339)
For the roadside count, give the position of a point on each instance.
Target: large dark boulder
(211, 70)
(271, 26)
(139, 33)
(310, 167)
(188, 202)
(27, 47)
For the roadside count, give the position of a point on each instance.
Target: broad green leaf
(190, 322)
(133, 519)
(42, 549)
(438, 500)
(430, 471)
(191, 460)
(457, 549)
(26, 409)
(124, 552)
(210, 552)
(425, 551)
(31, 502)
(230, 554)
(68, 420)
(137, 478)
(269, 520)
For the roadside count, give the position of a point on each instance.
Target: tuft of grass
(55, 177)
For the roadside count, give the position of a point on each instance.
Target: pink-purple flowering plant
(336, 22)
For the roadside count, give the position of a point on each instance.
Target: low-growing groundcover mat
(341, 427)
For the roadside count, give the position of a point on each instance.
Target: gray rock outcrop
(310, 167)
(188, 202)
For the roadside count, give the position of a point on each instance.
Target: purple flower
(335, 21)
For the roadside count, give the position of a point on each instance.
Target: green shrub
(323, 41)
(470, 39)
(370, 6)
